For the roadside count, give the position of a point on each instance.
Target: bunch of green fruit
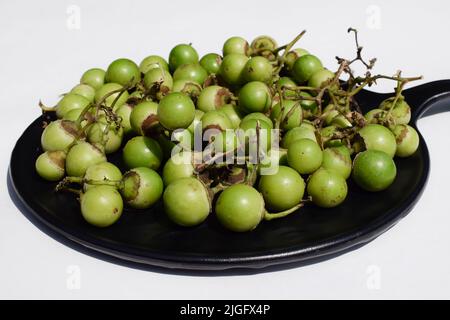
(264, 128)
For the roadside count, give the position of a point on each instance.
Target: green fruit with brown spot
(50, 165)
(141, 187)
(407, 140)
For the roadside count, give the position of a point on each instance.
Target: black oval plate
(311, 234)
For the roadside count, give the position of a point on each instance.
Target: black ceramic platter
(311, 234)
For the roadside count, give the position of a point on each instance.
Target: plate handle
(430, 98)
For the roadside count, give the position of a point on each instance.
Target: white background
(41, 56)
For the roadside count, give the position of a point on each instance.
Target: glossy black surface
(312, 234)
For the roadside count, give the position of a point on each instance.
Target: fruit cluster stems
(270, 216)
(65, 184)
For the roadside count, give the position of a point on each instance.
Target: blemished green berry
(144, 117)
(407, 140)
(141, 187)
(236, 45)
(400, 112)
(188, 87)
(153, 62)
(215, 119)
(84, 90)
(50, 165)
(240, 208)
(211, 62)
(377, 137)
(255, 96)
(104, 171)
(338, 159)
(263, 44)
(289, 113)
(160, 77)
(177, 167)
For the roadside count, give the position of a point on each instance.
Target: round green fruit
(377, 137)
(236, 45)
(69, 102)
(187, 202)
(58, 135)
(192, 72)
(240, 208)
(104, 171)
(374, 170)
(105, 93)
(153, 62)
(258, 69)
(142, 152)
(50, 165)
(84, 90)
(182, 54)
(178, 166)
(141, 187)
(282, 190)
(232, 68)
(101, 206)
(338, 159)
(255, 96)
(81, 156)
(211, 62)
(176, 111)
(407, 140)
(123, 71)
(94, 77)
(144, 117)
(289, 113)
(319, 78)
(305, 156)
(327, 188)
(305, 66)
(297, 133)
(213, 97)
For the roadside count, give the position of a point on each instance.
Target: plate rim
(324, 248)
